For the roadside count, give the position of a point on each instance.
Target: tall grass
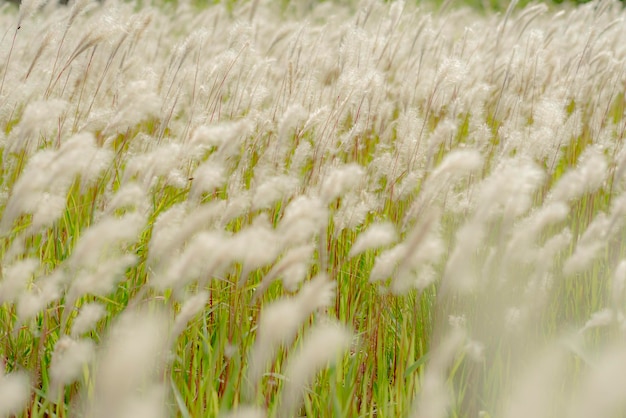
(288, 209)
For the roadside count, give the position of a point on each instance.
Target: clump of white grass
(588, 245)
(129, 196)
(322, 345)
(177, 225)
(255, 246)
(192, 306)
(88, 315)
(39, 119)
(69, 359)
(273, 190)
(99, 260)
(15, 278)
(171, 155)
(43, 291)
(339, 181)
(281, 320)
(456, 166)
(14, 393)
(526, 233)
(207, 255)
(128, 364)
(588, 177)
(378, 235)
(292, 267)
(42, 188)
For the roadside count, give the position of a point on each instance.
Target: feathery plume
(273, 190)
(88, 316)
(322, 345)
(190, 308)
(130, 359)
(14, 393)
(587, 177)
(16, 278)
(340, 180)
(208, 177)
(205, 257)
(302, 219)
(588, 245)
(377, 235)
(281, 320)
(292, 267)
(68, 360)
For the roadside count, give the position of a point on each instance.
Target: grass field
(319, 209)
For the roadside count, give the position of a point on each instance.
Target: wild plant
(270, 209)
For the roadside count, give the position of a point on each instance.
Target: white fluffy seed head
(206, 255)
(589, 245)
(218, 135)
(14, 393)
(208, 177)
(302, 220)
(177, 226)
(31, 303)
(386, 262)
(40, 117)
(353, 211)
(302, 154)
(280, 321)
(458, 163)
(88, 316)
(99, 280)
(255, 246)
(598, 319)
(138, 101)
(587, 177)
(339, 181)
(292, 267)
(105, 239)
(190, 308)
(68, 360)
(28, 8)
(131, 358)
(130, 195)
(149, 165)
(51, 207)
(16, 278)
(509, 190)
(42, 187)
(273, 190)
(322, 346)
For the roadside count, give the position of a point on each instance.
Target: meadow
(323, 209)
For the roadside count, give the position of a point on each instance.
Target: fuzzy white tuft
(322, 345)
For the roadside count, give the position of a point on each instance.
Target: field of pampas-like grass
(323, 209)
